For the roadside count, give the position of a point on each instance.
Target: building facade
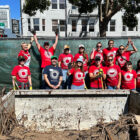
(70, 23)
(5, 16)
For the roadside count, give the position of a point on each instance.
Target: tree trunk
(103, 27)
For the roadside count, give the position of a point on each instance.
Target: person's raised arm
(56, 41)
(30, 44)
(92, 54)
(134, 47)
(36, 41)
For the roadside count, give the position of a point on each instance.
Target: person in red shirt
(97, 52)
(97, 74)
(129, 77)
(138, 76)
(82, 54)
(110, 51)
(21, 75)
(65, 59)
(123, 56)
(78, 75)
(113, 74)
(25, 52)
(46, 53)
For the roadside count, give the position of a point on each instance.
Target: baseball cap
(81, 46)
(54, 57)
(46, 43)
(97, 58)
(21, 58)
(80, 60)
(66, 47)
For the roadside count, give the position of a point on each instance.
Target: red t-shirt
(112, 52)
(27, 57)
(78, 77)
(112, 74)
(128, 79)
(96, 53)
(21, 73)
(46, 56)
(85, 63)
(96, 83)
(138, 79)
(119, 58)
(65, 59)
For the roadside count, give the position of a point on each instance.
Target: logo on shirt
(66, 60)
(96, 72)
(79, 75)
(128, 76)
(112, 54)
(122, 60)
(112, 72)
(54, 74)
(23, 73)
(48, 54)
(98, 54)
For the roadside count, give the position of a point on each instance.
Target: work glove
(33, 31)
(30, 88)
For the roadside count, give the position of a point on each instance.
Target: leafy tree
(30, 7)
(108, 8)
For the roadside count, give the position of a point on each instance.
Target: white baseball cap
(81, 46)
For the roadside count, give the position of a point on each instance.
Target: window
(84, 25)
(54, 25)
(62, 4)
(62, 25)
(36, 24)
(73, 7)
(29, 24)
(112, 25)
(74, 25)
(91, 26)
(130, 29)
(54, 4)
(124, 28)
(43, 24)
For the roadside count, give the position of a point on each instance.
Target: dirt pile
(123, 129)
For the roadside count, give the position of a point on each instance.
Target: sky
(14, 7)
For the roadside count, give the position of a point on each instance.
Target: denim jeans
(77, 87)
(65, 77)
(111, 87)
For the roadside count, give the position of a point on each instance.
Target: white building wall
(59, 14)
(6, 19)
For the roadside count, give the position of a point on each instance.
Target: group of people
(109, 68)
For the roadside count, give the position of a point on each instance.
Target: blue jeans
(65, 77)
(77, 87)
(111, 87)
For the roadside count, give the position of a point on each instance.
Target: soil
(122, 129)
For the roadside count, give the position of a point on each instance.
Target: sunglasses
(110, 60)
(121, 49)
(99, 46)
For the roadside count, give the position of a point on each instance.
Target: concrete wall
(43, 110)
